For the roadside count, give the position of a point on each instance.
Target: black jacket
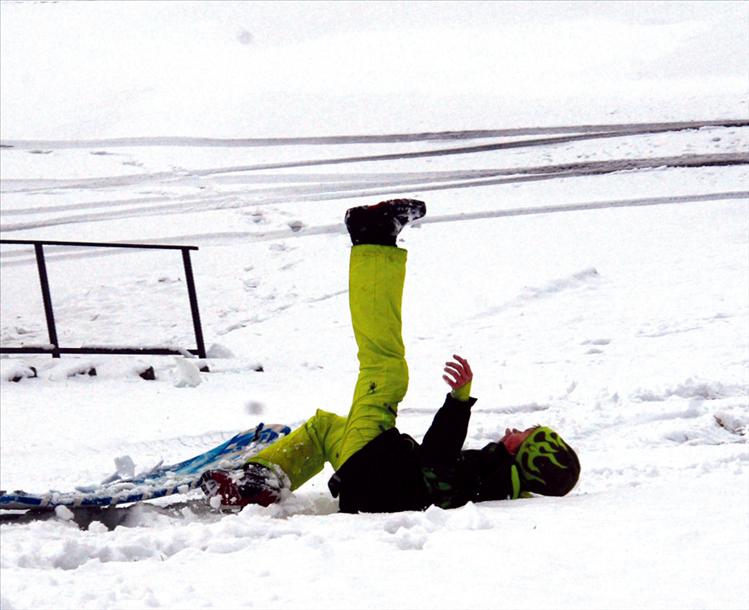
(393, 472)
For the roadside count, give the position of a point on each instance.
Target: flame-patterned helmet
(546, 464)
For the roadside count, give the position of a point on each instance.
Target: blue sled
(159, 482)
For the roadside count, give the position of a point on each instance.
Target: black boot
(253, 484)
(380, 224)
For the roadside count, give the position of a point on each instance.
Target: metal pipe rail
(54, 347)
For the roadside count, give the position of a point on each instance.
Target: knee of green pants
(302, 454)
(374, 409)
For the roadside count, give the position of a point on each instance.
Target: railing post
(46, 297)
(193, 303)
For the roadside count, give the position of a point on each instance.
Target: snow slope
(596, 277)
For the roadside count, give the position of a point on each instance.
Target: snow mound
(186, 374)
(692, 388)
(734, 419)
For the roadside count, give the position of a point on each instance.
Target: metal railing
(54, 347)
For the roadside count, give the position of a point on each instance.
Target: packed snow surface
(597, 278)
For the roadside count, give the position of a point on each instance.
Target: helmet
(546, 464)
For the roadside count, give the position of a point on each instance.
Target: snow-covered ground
(599, 285)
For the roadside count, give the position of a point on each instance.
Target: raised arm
(445, 437)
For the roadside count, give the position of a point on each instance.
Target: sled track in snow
(343, 187)
(229, 237)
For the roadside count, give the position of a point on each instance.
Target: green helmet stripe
(515, 482)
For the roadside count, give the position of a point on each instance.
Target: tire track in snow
(229, 237)
(351, 181)
(621, 164)
(133, 179)
(626, 128)
(238, 199)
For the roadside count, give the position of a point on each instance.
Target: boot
(380, 224)
(253, 484)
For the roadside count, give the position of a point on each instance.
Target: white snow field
(586, 247)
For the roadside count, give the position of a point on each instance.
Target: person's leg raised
(377, 271)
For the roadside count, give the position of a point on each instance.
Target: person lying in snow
(377, 468)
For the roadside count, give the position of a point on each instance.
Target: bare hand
(458, 373)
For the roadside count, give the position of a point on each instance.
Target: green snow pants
(376, 277)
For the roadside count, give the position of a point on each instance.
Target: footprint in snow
(596, 342)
